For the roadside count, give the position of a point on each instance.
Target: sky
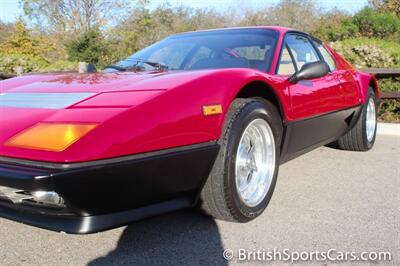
(10, 9)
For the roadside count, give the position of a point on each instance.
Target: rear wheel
(243, 178)
(362, 136)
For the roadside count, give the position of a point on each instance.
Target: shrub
(29, 63)
(344, 30)
(389, 84)
(9, 64)
(61, 65)
(389, 110)
(364, 52)
(374, 24)
(366, 23)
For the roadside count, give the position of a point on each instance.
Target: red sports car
(198, 119)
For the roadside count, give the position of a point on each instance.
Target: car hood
(77, 98)
(98, 82)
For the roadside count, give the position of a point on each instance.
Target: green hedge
(369, 52)
(8, 63)
(29, 63)
(365, 23)
(389, 111)
(389, 84)
(61, 65)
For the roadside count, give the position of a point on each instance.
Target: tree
(89, 47)
(6, 30)
(23, 49)
(299, 14)
(22, 42)
(335, 25)
(373, 24)
(73, 17)
(387, 6)
(145, 26)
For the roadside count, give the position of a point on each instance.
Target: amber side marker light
(212, 109)
(50, 136)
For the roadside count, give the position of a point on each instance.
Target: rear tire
(232, 191)
(362, 136)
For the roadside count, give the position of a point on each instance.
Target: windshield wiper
(156, 65)
(120, 68)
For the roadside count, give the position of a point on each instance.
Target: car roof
(281, 30)
(275, 28)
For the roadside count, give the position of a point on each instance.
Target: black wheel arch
(261, 89)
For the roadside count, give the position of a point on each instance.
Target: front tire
(243, 178)
(362, 136)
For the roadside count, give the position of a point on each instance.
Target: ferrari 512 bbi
(198, 119)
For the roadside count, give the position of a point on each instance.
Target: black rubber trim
(91, 224)
(100, 162)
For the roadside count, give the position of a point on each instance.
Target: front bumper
(104, 194)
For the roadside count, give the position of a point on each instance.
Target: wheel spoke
(255, 162)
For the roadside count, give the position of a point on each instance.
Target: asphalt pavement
(327, 201)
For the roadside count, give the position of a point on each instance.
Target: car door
(316, 96)
(347, 96)
(311, 100)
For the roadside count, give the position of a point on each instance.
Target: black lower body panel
(76, 224)
(109, 193)
(305, 135)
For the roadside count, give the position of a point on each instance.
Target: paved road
(325, 199)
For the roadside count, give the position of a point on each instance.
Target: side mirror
(310, 71)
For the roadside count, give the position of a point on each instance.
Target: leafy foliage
(62, 65)
(90, 47)
(144, 26)
(73, 17)
(22, 42)
(390, 84)
(6, 30)
(389, 6)
(299, 14)
(366, 23)
(365, 52)
(374, 24)
(29, 63)
(389, 110)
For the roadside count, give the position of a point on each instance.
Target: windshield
(236, 48)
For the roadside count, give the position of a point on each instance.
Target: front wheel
(243, 178)
(362, 136)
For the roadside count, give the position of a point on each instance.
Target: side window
(326, 55)
(286, 65)
(302, 50)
